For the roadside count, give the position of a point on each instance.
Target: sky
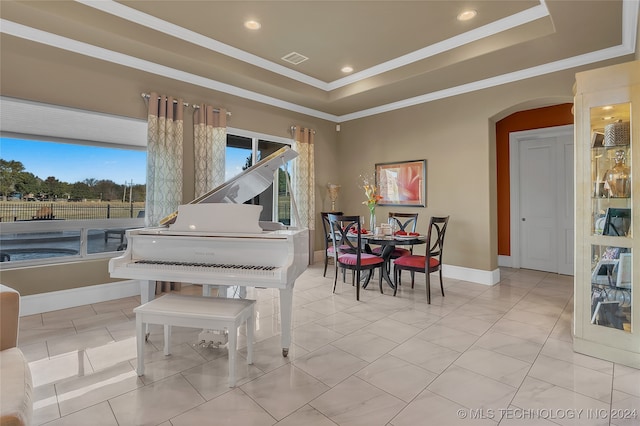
(73, 163)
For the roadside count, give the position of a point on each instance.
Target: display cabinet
(607, 156)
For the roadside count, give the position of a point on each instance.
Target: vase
(372, 220)
(618, 178)
(333, 194)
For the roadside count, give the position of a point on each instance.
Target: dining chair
(429, 263)
(406, 222)
(346, 233)
(403, 222)
(329, 251)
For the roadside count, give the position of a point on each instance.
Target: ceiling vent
(294, 58)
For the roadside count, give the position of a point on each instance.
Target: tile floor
(479, 356)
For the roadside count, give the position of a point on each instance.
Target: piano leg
(167, 340)
(147, 291)
(147, 294)
(140, 339)
(286, 306)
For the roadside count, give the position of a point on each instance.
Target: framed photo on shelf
(402, 183)
(603, 273)
(617, 222)
(597, 140)
(624, 271)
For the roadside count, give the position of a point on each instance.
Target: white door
(538, 205)
(545, 208)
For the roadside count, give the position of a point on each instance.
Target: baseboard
(63, 299)
(505, 261)
(473, 275)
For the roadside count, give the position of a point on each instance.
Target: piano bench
(196, 312)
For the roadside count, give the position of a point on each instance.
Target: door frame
(514, 183)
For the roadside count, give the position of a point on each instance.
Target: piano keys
(218, 242)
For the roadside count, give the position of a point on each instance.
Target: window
(62, 201)
(62, 190)
(245, 149)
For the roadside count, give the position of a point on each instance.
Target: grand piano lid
(246, 185)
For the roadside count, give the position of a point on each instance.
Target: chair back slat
(435, 237)
(328, 241)
(340, 226)
(404, 221)
(326, 227)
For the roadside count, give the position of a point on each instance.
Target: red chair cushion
(397, 252)
(365, 259)
(417, 262)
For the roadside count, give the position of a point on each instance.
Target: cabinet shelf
(610, 198)
(611, 147)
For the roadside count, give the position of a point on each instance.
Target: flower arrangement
(371, 191)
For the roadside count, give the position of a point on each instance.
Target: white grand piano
(218, 241)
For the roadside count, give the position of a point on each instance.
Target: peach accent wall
(557, 115)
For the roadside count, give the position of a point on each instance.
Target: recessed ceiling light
(347, 69)
(252, 25)
(608, 107)
(467, 14)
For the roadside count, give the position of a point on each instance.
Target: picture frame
(617, 222)
(605, 272)
(402, 183)
(624, 271)
(597, 140)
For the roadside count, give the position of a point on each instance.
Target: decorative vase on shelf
(618, 178)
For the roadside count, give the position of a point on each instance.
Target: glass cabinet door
(612, 258)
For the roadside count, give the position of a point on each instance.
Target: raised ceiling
(402, 52)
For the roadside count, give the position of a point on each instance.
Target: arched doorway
(523, 120)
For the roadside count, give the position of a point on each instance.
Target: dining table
(388, 243)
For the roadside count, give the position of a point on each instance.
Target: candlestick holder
(333, 191)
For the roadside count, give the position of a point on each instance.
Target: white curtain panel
(304, 182)
(210, 141)
(304, 177)
(165, 136)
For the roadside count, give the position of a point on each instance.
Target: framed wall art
(402, 183)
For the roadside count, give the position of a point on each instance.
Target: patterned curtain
(210, 141)
(165, 134)
(304, 181)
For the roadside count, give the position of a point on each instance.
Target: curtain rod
(292, 129)
(195, 106)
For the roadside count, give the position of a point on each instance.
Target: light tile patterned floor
(479, 356)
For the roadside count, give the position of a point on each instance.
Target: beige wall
(64, 276)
